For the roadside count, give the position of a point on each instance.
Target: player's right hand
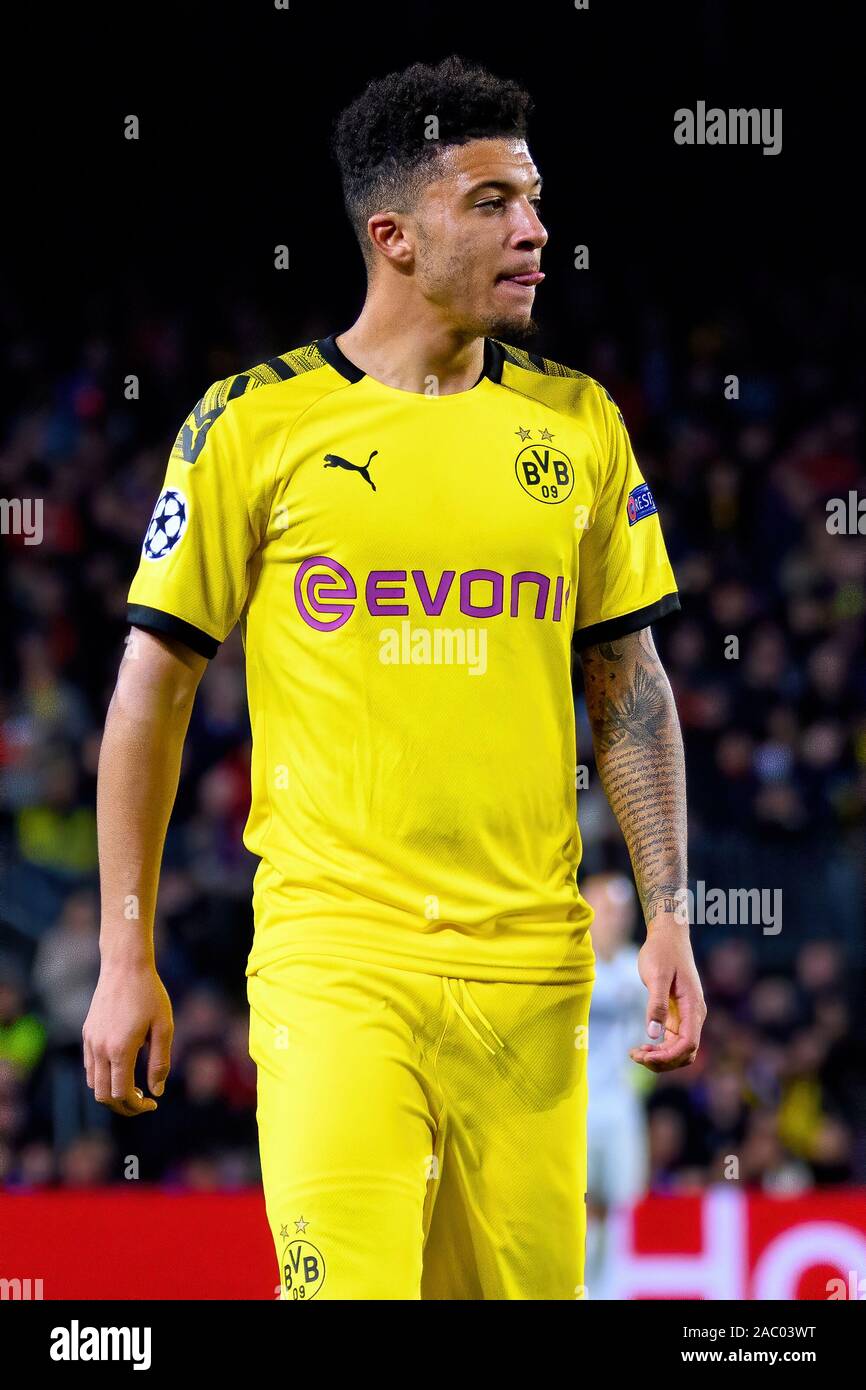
(130, 1007)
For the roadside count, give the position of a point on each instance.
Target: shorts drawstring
(467, 997)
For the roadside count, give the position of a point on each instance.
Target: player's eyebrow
(504, 184)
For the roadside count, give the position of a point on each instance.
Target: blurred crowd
(768, 665)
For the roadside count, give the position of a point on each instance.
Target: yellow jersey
(412, 574)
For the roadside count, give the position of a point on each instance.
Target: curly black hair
(382, 140)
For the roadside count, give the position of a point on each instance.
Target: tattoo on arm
(638, 713)
(609, 651)
(639, 755)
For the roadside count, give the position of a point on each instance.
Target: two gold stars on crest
(300, 1226)
(526, 434)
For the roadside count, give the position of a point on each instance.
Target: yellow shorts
(421, 1137)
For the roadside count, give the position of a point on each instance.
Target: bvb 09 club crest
(303, 1269)
(545, 472)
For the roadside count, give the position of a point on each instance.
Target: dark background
(236, 102)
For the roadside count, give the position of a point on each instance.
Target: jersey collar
(493, 359)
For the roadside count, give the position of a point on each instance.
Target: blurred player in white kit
(617, 1134)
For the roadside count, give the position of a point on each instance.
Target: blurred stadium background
(154, 259)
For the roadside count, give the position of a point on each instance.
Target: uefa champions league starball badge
(167, 525)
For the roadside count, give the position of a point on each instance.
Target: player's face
(479, 237)
(614, 914)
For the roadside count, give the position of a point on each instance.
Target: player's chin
(506, 319)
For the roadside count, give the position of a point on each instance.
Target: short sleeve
(625, 580)
(193, 575)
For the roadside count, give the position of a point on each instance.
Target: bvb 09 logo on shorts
(545, 473)
(303, 1271)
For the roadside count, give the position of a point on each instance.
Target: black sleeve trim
(154, 620)
(612, 628)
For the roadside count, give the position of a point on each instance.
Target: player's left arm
(639, 756)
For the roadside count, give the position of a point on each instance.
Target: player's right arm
(190, 588)
(139, 768)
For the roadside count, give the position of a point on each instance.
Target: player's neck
(412, 350)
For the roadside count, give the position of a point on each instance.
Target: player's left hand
(676, 1008)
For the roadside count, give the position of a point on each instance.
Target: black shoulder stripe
(193, 432)
(536, 362)
(506, 352)
(281, 368)
(238, 387)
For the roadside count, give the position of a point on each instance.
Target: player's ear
(387, 231)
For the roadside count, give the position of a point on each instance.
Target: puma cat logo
(334, 461)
